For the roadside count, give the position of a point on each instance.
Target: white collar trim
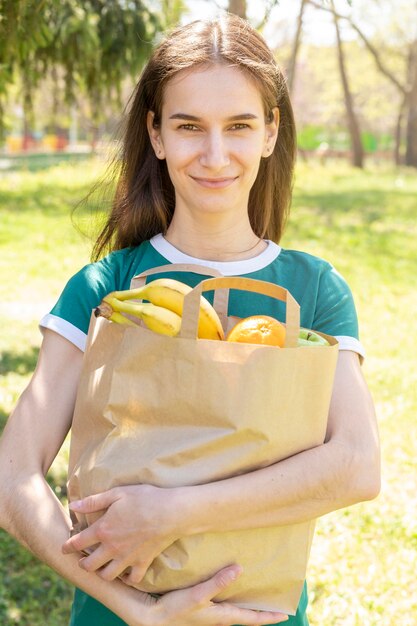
(227, 268)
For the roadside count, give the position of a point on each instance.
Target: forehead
(211, 88)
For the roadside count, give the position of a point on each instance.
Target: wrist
(156, 616)
(136, 608)
(191, 511)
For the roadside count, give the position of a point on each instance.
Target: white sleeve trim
(64, 328)
(350, 343)
(79, 339)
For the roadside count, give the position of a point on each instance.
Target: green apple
(310, 338)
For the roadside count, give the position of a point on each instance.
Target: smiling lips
(214, 183)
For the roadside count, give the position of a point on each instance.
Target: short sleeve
(70, 317)
(335, 312)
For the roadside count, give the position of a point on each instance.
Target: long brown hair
(144, 201)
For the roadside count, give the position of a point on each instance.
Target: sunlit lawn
(362, 568)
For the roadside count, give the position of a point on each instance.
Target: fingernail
(235, 573)
(75, 505)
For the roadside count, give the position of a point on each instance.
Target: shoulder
(325, 298)
(109, 267)
(311, 272)
(112, 272)
(84, 291)
(300, 260)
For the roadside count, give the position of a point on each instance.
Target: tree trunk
(295, 47)
(28, 117)
(56, 99)
(411, 135)
(353, 125)
(398, 131)
(370, 47)
(238, 7)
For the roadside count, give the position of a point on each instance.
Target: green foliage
(318, 99)
(362, 568)
(96, 43)
(171, 12)
(31, 594)
(312, 137)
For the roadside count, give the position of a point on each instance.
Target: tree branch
(271, 5)
(382, 68)
(295, 47)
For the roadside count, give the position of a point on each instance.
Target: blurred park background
(67, 68)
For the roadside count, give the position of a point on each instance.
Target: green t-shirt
(324, 297)
(326, 305)
(86, 611)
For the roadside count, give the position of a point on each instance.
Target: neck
(233, 243)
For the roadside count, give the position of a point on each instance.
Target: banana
(162, 313)
(310, 338)
(156, 318)
(169, 293)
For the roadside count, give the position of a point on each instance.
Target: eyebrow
(233, 118)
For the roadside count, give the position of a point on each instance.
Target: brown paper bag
(173, 411)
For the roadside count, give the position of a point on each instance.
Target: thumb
(92, 504)
(203, 592)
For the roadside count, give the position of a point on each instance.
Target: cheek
(179, 155)
(252, 159)
(251, 151)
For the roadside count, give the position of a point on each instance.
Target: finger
(249, 617)
(135, 574)
(202, 593)
(205, 591)
(115, 568)
(81, 541)
(96, 560)
(112, 570)
(92, 504)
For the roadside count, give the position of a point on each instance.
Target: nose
(214, 154)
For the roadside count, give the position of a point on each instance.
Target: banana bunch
(162, 312)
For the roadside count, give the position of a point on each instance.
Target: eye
(240, 126)
(188, 127)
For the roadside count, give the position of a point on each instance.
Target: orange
(261, 329)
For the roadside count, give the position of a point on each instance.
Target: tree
(407, 89)
(171, 12)
(238, 7)
(96, 43)
(353, 125)
(295, 47)
(411, 150)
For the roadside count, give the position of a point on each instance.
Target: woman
(206, 176)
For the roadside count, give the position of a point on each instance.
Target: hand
(194, 607)
(138, 524)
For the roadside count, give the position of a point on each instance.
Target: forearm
(340, 472)
(292, 491)
(35, 517)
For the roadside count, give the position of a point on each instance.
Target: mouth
(215, 183)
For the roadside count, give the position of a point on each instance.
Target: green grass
(362, 568)
(33, 162)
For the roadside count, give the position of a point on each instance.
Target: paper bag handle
(218, 301)
(191, 307)
(139, 279)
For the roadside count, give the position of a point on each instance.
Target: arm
(30, 511)
(31, 439)
(340, 472)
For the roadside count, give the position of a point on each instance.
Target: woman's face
(213, 134)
